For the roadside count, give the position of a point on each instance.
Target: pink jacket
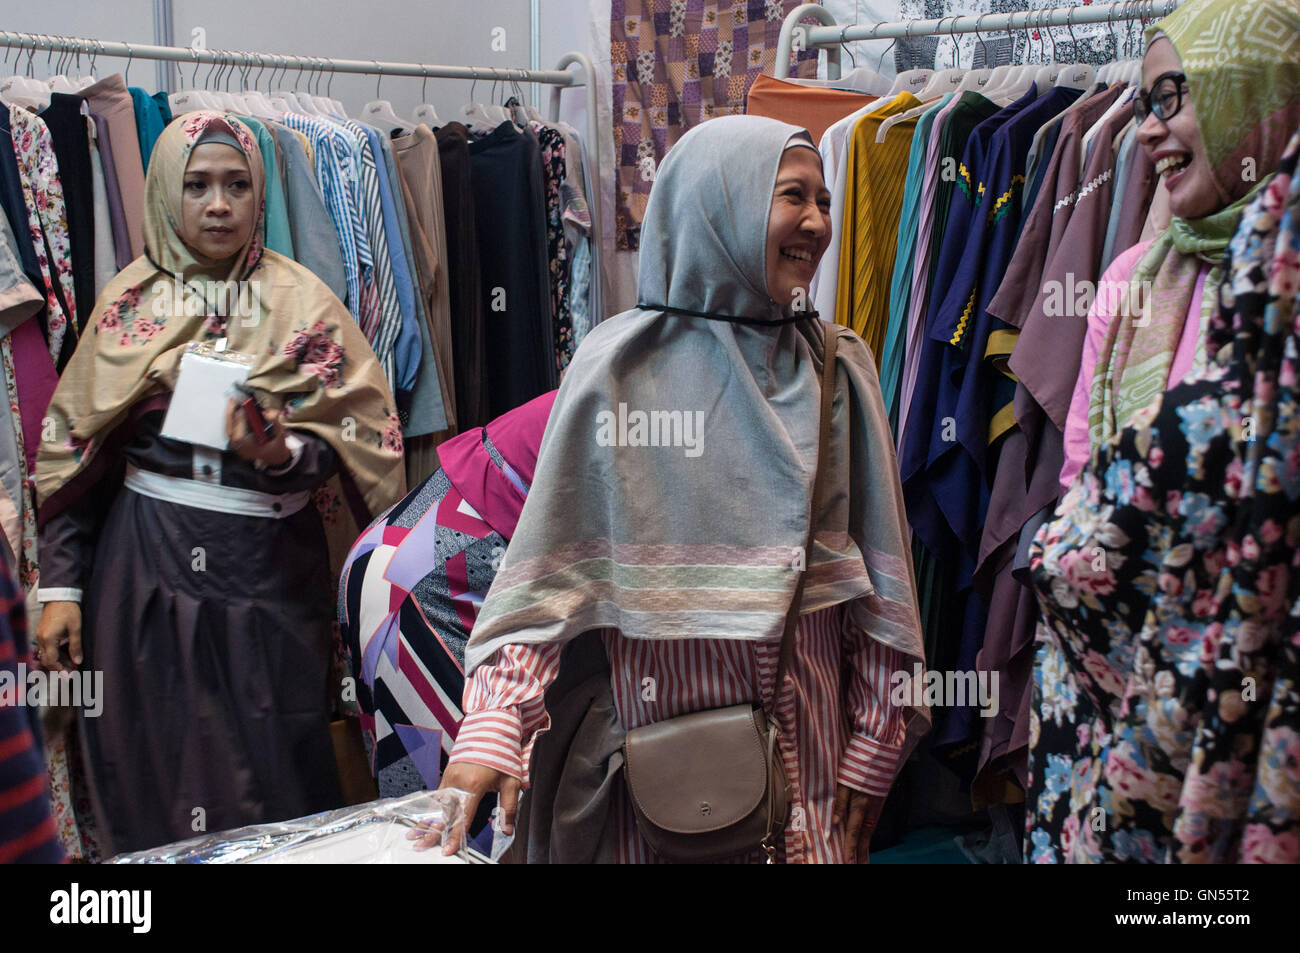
(1104, 306)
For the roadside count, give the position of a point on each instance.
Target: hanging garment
(397, 336)
(316, 245)
(510, 213)
(71, 143)
(110, 101)
(834, 146)
(105, 252)
(336, 170)
(926, 249)
(19, 301)
(116, 210)
(420, 178)
(900, 285)
(47, 223)
(810, 107)
(874, 179)
(149, 122)
(465, 286)
(551, 144)
(279, 237)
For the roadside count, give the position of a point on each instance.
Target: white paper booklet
(198, 409)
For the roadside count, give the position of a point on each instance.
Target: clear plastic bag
(374, 833)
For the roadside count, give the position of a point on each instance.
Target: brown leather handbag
(711, 785)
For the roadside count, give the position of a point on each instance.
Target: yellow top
(873, 202)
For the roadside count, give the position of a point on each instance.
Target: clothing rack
(831, 35)
(559, 78)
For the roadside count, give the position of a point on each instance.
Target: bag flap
(700, 772)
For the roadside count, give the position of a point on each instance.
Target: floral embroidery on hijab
(314, 352)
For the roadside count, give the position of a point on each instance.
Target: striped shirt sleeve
(876, 726)
(504, 708)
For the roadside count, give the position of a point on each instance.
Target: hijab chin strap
(733, 318)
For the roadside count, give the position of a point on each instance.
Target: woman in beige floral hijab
(197, 580)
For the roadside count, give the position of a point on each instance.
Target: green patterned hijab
(1242, 62)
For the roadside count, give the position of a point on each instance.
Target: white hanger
(862, 79)
(1076, 76)
(911, 80)
(941, 81)
(975, 80)
(425, 113)
(258, 104)
(379, 112)
(23, 91)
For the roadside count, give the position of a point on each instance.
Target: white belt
(208, 496)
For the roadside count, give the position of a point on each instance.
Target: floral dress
(1165, 724)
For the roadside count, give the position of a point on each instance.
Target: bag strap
(830, 338)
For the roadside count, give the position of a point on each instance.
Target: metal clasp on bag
(769, 850)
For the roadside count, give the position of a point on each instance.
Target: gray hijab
(703, 540)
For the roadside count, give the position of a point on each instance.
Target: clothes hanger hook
(847, 49)
(892, 43)
(329, 85)
(126, 77)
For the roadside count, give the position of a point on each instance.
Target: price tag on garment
(207, 380)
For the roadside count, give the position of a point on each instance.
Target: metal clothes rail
(560, 78)
(830, 35)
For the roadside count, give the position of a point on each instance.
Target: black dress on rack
(510, 218)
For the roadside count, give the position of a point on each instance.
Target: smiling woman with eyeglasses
(1166, 578)
(1212, 126)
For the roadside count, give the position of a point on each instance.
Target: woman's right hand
(60, 626)
(475, 780)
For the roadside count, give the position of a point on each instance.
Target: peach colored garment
(110, 100)
(808, 107)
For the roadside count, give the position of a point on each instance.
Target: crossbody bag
(712, 785)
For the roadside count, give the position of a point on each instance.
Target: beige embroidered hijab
(308, 354)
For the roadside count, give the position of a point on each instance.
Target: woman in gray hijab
(667, 520)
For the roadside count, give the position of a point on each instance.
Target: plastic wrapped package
(372, 833)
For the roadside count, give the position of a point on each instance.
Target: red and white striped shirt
(837, 723)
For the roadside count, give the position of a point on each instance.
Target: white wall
(449, 32)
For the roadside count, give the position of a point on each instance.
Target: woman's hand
(60, 626)
(274, 453)
(476, 780)
(856, 814)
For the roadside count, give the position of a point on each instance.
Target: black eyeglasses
(1165, 98)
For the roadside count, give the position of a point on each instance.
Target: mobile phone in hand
(253, 416)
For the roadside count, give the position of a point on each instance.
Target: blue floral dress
(1165, 723)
